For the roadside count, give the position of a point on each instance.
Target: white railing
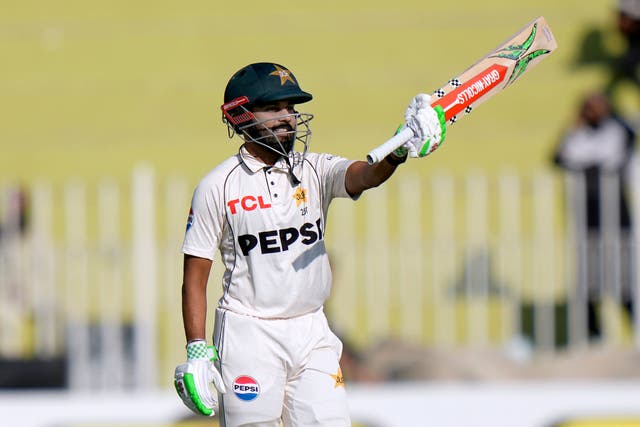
(448, 261)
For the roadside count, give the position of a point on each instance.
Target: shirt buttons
(275, 195)
(273, 183)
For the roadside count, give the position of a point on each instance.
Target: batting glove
(192, 379)
(428, 125)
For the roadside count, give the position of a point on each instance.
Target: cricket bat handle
(388, 147)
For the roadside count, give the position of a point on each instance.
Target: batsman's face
(277, 121)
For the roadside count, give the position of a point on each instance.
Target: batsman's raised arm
(361, 176)
(426, 127)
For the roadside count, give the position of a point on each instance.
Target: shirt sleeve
(204, 225)
(332, 170)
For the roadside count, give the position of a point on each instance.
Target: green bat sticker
(517, 53)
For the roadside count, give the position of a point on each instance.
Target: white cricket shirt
(270, 233)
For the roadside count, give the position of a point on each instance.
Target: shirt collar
(254, 164)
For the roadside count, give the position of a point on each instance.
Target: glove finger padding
(421, 100)
(429, 122)
(216, 378)
(192, 381)
(428, 125)
(214, 374)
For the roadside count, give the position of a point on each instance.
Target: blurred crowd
(597, 155)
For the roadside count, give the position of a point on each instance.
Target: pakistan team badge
(300, 196)
(284, 74)
(338, 378)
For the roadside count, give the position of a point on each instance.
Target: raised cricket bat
(490, 75)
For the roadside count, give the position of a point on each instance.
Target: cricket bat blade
(494, 72)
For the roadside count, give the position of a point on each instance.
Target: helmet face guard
(265, 83)
(240, 120)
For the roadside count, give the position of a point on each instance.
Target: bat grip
(388, 147)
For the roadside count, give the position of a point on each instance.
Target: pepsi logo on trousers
(246, 388)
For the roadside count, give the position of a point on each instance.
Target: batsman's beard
(280, 142)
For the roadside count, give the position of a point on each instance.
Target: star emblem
(284, 75)
(300, 196)
(338, 378)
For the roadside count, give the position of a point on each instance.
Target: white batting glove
(192, 379)
(428, 126)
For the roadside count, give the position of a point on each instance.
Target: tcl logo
(247, 203)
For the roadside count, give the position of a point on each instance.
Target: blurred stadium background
(459, 270)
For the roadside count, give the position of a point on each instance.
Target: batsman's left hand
(428, 125)
(192, 379)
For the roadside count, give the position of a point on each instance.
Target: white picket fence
(448, 261)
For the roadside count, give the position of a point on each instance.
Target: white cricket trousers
(280, 371)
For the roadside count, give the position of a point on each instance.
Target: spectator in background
(597, 150)
(621, 67)
(625, 67)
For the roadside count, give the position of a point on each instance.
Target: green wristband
(197, 350)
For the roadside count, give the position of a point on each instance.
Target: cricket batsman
(274, 360)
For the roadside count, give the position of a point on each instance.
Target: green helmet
(263, 83)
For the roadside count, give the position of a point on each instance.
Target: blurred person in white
(275, 359)
(597, 150)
